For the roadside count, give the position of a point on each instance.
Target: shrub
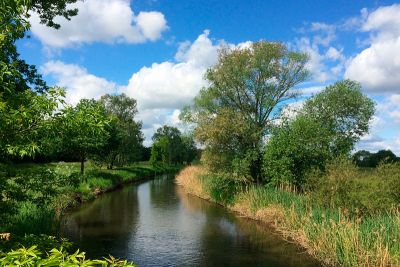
(294, 149)
(33, 257)
(346, 186)
(221, 187)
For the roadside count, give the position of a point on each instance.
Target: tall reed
(331, 235)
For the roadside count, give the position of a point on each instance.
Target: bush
(346, 186)
(294, 149)
(42, 242)
(221, 187)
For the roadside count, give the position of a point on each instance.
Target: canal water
(156, 223)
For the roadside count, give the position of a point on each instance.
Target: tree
(16, 74)
(326, 128)
(168, 142)
(364, 158)
(189, 152)
(26, 122)
(26, 102)
(294, 149)
(125, 142)
(251, 84)
(345, 110)
(83, 128)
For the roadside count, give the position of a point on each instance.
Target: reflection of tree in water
(105, 225)
(228, 240)
(162, 192)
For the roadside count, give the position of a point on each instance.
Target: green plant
(221, 187)
(55, 257)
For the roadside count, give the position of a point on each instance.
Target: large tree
(247, 88)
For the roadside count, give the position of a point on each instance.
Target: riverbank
(40, 193)
(331, 236)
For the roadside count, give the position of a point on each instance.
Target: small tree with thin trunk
(83, 128)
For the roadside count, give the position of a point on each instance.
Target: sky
(157, 51)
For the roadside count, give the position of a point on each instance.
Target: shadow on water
(157, 224)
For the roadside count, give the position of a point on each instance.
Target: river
(155, 223)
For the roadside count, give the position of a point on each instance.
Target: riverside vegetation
(341, 235)
(293, 167)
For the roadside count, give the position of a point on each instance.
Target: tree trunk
(82, 164)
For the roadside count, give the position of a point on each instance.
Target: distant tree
(125, 142)
(168, 141)
(367, 159)
(84, 128)
(189, 152)
(251, 84)
(362, 158)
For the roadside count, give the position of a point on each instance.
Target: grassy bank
(333, 236)
(35, 195)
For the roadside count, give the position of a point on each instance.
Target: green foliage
(327, 127)
(42, 242)
(345, 111)
(221, 187)
(125, 142)
(368, 191)
(367, 159)
(55, 257)
(294, 149)
(171, 147)
(246, 88)
(29, 199)
(83, 128)
(26, 121)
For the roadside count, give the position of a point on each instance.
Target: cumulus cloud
(162, 89)
(326, 61)
(174, 84)
(109, 21)
(78, 82)
(378, 66)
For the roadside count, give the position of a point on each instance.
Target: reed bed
(332, 236)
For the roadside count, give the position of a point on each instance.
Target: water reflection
(157, 224)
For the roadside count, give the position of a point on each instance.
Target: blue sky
(157, 51)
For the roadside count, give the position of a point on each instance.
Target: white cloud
(326, 61)
(108, 21)
(174, 84)
(378, 66)
(164, 88)
(77, 81)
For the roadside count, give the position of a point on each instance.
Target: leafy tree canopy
(247, 87)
